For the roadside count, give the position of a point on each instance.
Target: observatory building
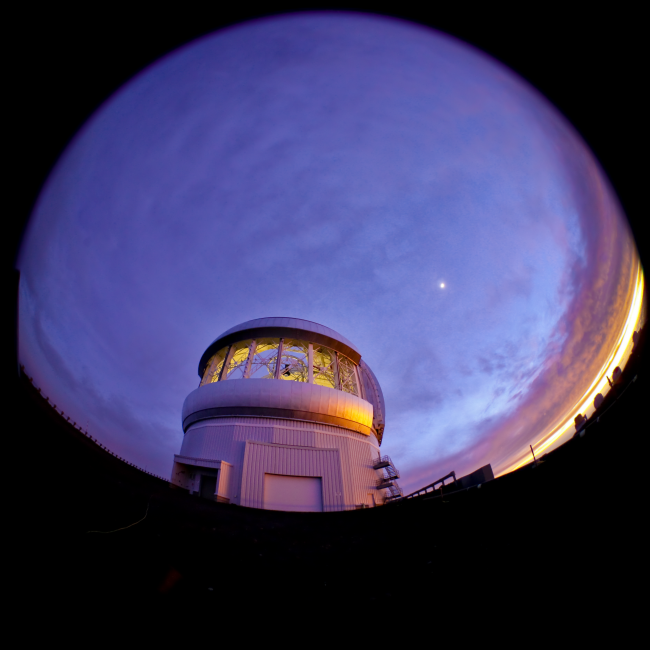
(287, 416)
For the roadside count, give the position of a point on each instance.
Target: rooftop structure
(287, 416)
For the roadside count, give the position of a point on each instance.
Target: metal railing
(381, 462)
(385, 463)
(394, 493)
(85, 433)
(432, 486)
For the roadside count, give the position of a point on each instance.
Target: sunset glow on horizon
(566, 430)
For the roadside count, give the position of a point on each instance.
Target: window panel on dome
(347, 376)
(295, 360)
(238, 358)
(264, 359)
(324, 366)
(213, 367)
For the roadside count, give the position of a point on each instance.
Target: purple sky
(337, 168)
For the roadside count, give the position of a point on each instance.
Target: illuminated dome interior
(307, 352)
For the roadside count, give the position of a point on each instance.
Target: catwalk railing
(385, 463)
(432, 487)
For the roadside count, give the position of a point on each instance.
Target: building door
(208, 486)
(294, 493)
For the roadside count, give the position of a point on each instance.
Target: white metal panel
(261, 459)
(294, 323)
(357, 452)
(202, 462)
(224, 485)
(225, 439)
(299, 437)
(209, 442)
(266, 393)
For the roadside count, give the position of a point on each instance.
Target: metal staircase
(388, 481)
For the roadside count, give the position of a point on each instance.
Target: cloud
(313, 168)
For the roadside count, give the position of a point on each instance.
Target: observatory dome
(287, 416)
